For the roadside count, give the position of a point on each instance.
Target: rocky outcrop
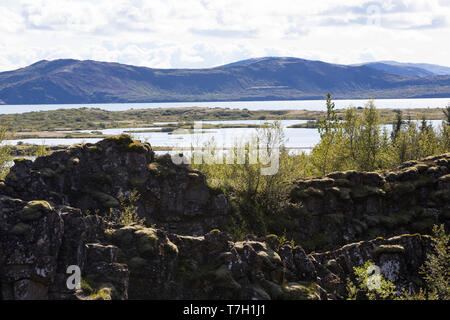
(38, 242)
(169, 266)
(139, 262)
(92, 176)
(399, 259)
(350, 206)
(53, 217)
(48, 221)
(30, 237)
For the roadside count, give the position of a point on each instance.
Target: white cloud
(206, 33)
(10, 22)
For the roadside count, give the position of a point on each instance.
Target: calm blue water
(299, 139)
(315, 105)
(295, 138)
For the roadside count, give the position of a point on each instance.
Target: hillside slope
(73, 81)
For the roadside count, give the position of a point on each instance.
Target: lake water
(315, 105)
(301, 139)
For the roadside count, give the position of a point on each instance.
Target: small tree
(369, 139)
(444, 138)
(397, 125)
(447, 114)
(327, 155)
(436, 269)
(331, 120)
(424, 126)
(351, 126)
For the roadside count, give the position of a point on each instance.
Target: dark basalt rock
(138, 262)
(351, 206)
(35, 253)
(92, 176)
(399, 259)
(29, 245)
(44, 229)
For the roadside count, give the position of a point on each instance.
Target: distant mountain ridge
(436, 69)
(409, 69)
(67, 81)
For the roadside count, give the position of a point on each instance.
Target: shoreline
(66, 123)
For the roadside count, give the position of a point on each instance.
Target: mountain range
(68, 81)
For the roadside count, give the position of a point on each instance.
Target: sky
(208, 33)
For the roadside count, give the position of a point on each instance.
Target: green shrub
(357, 142)
(370, 284)
(436, 269)
(127, 213)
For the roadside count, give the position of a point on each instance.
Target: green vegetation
(89, 293)
(5, 154)
(310, 124)
(98, 119)
(127, 213)
(447, 114)
(436, 269)
(31, 123)
(353, 142)
(357, 142)
(257, 199)
(283, 240)
(32, 150)
(55, 135)
(34, 210)
(300, 291)
(370, 284)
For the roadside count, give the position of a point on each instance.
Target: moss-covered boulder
(300, 291)
(34, 210)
